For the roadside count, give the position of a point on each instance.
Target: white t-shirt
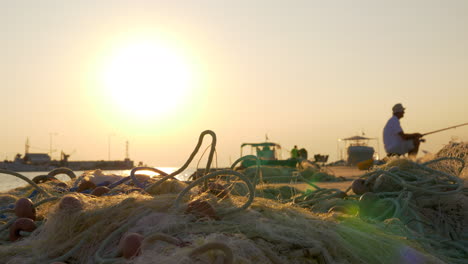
(390, 134)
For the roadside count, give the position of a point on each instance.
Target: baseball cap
(398, 108)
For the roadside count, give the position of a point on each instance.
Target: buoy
(85, 185)
(201, 209)
(24, 208)
(359, 186)
(130, 245)
(21, 224)
(99, 191)
(70, 203)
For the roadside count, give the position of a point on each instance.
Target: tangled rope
(189, 160)
(214, 175)
(408, 191)
(77, 181)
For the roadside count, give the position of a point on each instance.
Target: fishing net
(411, 213)
(457, 150)
(278, 174)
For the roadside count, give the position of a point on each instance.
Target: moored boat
(359, 152)
(269, 155)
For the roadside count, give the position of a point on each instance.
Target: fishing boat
(277, 170)
(358, 150)
(269, 154)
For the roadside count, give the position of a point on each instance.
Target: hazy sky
(303, 72)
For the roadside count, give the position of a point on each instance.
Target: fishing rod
(443, 129)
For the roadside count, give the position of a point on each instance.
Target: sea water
(8, 182)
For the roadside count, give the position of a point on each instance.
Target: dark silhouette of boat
(43, 162)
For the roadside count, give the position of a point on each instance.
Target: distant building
(37, 158)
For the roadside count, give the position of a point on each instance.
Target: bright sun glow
(146, 78)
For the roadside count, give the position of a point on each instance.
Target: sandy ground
(328, 185)
(345, 171)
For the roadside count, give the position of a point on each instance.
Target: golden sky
(89, 75)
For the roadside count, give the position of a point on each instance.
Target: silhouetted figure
(396, 141)
(294, 152)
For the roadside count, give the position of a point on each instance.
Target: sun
(146, 78)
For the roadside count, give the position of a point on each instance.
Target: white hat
(398, 108)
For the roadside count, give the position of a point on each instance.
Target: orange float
(21, 224)
(85, 185)
(359, 186)
(70, 203)
(130, 245)
(99, 191)
(24, 208)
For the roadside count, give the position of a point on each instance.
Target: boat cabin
(264, 151)
(358, 149)
(269, 154)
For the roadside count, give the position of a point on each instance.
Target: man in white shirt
(396, 141)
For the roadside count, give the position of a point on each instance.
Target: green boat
(268, 153)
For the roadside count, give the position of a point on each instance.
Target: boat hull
(286, 163)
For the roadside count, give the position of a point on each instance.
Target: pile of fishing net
(457, 150)
(402, 212)
(281, 174)
(410, 199)
(196, 226)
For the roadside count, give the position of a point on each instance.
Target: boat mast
(26, 146)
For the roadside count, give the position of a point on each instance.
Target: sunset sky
(93, 74)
